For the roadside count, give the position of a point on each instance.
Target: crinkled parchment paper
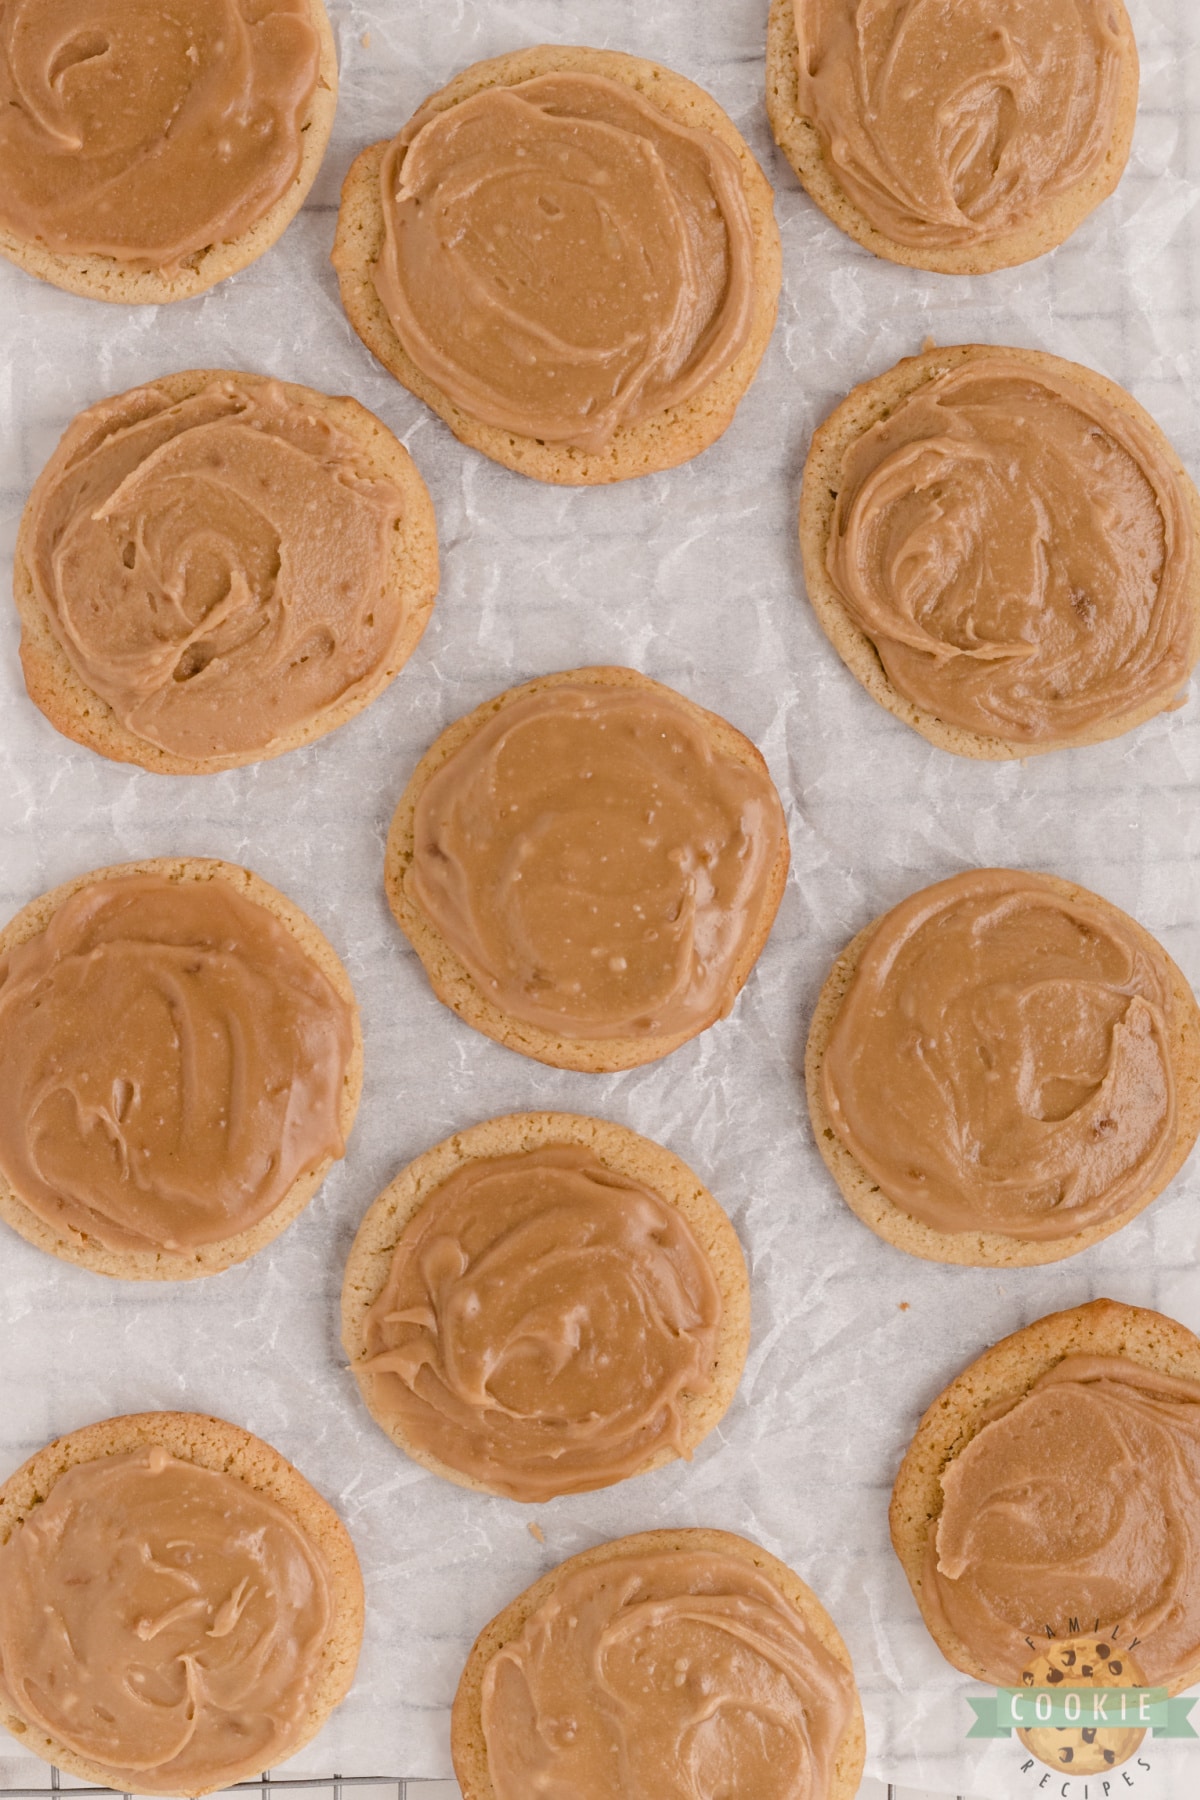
(693, 577)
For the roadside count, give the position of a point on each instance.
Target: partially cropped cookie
(218, 567)
(588, 867)
(546, 1304)
(180, 1064)
(683, 1661)
(179, 1609)
(1003, 1070)
(149, 150)
(571, 256)
(959, 138)
(1002, 547)
(1052, 1492)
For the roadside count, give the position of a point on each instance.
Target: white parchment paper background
(693, 577)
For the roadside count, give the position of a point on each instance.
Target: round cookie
(798, 138)
(660, 442)
(449, 977)
(618, 1148)
(990, 1249)
(210, 1444)
(100, 277)
(1090, 1662)
(864, 407)
(206, 1259)
(57, 688)
(467, 1745)
(1103, 1328)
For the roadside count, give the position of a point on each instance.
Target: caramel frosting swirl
(1002, 1058)
(665, 1676)
(171, 1062)
(146, 131)
(598, 861)
(542, 1320)
(952, 122)
(562, 259)
(1019, 551)
(215, 568)
(1077, 1506)
(162, 1619)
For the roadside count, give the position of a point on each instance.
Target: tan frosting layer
(1019, 552)
(950, 122)
(216, 568)
(659, 1677)
(163, 1620)
(1002, 1058)
(562, 258)
(147, 131)
(170, 1063)
(541, 1321)
(597, 863)
(1077, 1508)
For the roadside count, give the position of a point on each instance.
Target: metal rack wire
(397, 1787)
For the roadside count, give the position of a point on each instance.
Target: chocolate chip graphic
(1089, 1734)
(1115, 1668)
(1086, 1670)
(1069, 1659)
(1110, 1757)
(1102, 1651)
(1055, 1676)
(1066, 1756)
(1027, 1677)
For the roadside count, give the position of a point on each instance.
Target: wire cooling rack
(332, 1787)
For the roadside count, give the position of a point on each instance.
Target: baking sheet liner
(692, 576)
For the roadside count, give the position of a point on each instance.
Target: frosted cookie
(180, 1064)
(723, 1674)
(218, 567)
(147, 151)
(1053, 1492)
(205, 1605)
(1003, 1070)
(588, 867)
(571, 256)
(1001, 546)
(959, 138)
(546, 1304)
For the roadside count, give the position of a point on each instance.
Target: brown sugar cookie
(588, 866)
(661, 401)
(594, 1323)
(148, 152)
(919, 180)
(182, 1064)
(220, 1650)
(1029, 1508)
(1002, 548)
(219, 567)
(664, 1596)
(944, 1153)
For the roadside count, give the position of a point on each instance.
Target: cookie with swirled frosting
(546, 1304)
(219, 567)
(1052, 1492)
(1003, 1070)
(148, 151)
(178, 1607)
(180, 1065)
(571, 256)
(1004, 549)
(589, 866)
(954, 135)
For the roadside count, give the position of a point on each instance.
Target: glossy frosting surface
(542, 1319)
(1002, 1058)
(951, 122)
(597, 863)
(1019, 552)
(171, 1062)
(665, 1677)
(562, 259)
(1077, 1507)
(215, 568)
(162, 1619)
(148, 131)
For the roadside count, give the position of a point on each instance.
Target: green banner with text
(1034, 1709)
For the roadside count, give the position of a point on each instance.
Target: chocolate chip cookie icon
(1091, 1746)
